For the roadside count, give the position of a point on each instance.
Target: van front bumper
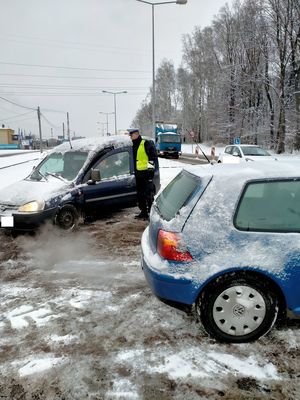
(15, 221)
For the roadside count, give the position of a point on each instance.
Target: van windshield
(63, 166)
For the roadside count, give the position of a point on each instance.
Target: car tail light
(170, 247)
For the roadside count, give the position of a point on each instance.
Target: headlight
(33, 206)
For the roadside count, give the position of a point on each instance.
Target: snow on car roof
(94, 143)
(244, 145)
(250, 170)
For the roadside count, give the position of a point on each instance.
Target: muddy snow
(78, 321)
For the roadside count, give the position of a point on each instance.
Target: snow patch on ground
(123, 389)
(36, 365)
(19, 316)
(196, 363)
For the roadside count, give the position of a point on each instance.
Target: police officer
(145, 157)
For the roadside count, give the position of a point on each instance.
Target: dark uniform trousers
(145, 190)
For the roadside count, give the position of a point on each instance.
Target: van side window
(272, 206)
(114, 165)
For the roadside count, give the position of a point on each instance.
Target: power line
(70, 77)
(29, 108)
(55, 111)
(49, 122)
(15, 116)
(73, 68)
(29, 94)
(30, 85)
(6, 109)
(21, 120)
(16, 104)
(61, 43)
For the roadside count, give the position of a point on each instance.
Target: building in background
(8, 139)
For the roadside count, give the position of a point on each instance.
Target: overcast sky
(61, 54)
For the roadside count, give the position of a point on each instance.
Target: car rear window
(272, 206)
(177, 194)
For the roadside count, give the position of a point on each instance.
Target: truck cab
(167, 140)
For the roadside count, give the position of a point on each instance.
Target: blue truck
(167, 139)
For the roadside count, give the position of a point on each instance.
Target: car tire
(237, 310)
(67, 218)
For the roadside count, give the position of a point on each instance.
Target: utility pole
(68, 130)
(63, 131)
(107, 114)
(115, 105)
(40, 129)
(68, 127)
(153, 97)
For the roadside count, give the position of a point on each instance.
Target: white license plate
(7, 222)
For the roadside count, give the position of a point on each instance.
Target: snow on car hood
(25, 191)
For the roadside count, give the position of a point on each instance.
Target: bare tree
(239, 77)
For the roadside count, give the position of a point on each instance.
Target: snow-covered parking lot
(78, 321)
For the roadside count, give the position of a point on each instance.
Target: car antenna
(208, 160)
(70, 142)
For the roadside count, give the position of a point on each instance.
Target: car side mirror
(95, 175)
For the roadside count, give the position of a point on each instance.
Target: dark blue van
(74, 180)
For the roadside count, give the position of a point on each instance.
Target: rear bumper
(170, 287)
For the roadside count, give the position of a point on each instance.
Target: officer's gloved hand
(150, 169)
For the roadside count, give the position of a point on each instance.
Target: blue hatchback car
(224, 241)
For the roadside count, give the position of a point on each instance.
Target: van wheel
(237, 310)
(67, 218)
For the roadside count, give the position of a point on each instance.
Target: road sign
(237, 140)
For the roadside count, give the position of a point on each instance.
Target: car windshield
(254, 151)
(169, 138)
(61, 165)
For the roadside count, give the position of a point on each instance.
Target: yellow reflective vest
(141, 157)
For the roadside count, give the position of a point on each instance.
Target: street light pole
(115, 104)
(107, 114)
(153, 53)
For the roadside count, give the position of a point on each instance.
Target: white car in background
(234, 154)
